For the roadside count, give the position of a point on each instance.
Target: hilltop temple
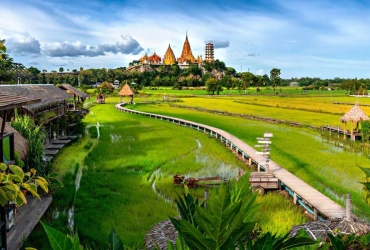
(169, 58)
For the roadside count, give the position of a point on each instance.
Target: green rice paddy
(128, 172)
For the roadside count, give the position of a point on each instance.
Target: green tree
(226, 82)
(275, 77)
(61, 69)
(213, 85)
(34, 71)
(2, 48)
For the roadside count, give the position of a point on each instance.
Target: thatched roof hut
(73, 91)
(21, 144)
(49, 94)
(160, 234)
(320, 229)
(126, 91)
(354, 115)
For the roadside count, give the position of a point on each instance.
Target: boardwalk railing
(316, 203)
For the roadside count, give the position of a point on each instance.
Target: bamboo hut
(160, 234)
(126, 91)
(354, 116)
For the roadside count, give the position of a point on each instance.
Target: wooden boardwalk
(314, 201)
(25, 220)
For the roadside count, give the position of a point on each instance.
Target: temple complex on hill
(185, 60)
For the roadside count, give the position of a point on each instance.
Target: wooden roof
(73, 90)
(13, 101)
(49, 94)
(126, 91)
(354, 115)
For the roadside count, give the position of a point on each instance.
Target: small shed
(126, 91)
(354, 116)
(100, 98)
(294, 84)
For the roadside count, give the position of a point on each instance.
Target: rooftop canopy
(14, 101)
(354, 115)
(73, 91)
(126, 91)
(49, 94)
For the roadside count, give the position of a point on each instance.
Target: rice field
(300, 150)
(127, 178)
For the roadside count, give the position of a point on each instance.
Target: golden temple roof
(186, 55)
(169, 57)
(144, 58)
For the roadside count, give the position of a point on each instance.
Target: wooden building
(52, 105)
(78, 97)
(7, 145)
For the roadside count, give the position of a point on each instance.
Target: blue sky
(326, 39)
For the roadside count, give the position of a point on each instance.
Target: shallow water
(72, 209)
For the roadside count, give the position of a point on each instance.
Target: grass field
(119, 169)
(301, 151)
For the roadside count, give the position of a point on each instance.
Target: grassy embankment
(301, 151)
(116, 186)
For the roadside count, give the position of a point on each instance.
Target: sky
(316, 38)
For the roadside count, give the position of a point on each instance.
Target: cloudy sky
(323, 38)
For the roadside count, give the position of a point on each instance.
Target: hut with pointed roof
(126, 91)
(354, 116)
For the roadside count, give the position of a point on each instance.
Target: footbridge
(316, 203)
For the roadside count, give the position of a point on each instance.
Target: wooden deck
(25, 220)
(317, 203)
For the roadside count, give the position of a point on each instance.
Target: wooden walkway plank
(321, 202)
(25, 220)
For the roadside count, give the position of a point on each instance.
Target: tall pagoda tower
(209, 52)
(169, 57)
(186, 55)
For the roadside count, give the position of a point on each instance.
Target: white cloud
(23, 45)
(260, 72)
(128, 45)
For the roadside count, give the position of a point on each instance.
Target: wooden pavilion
(78, 95)
(126, 91)
(354, 116)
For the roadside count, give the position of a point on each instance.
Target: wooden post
(348, 207)
(259, 167)
(250, 161)
(315, 214)
(295, 198)
(205, 197)
(345, 130)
